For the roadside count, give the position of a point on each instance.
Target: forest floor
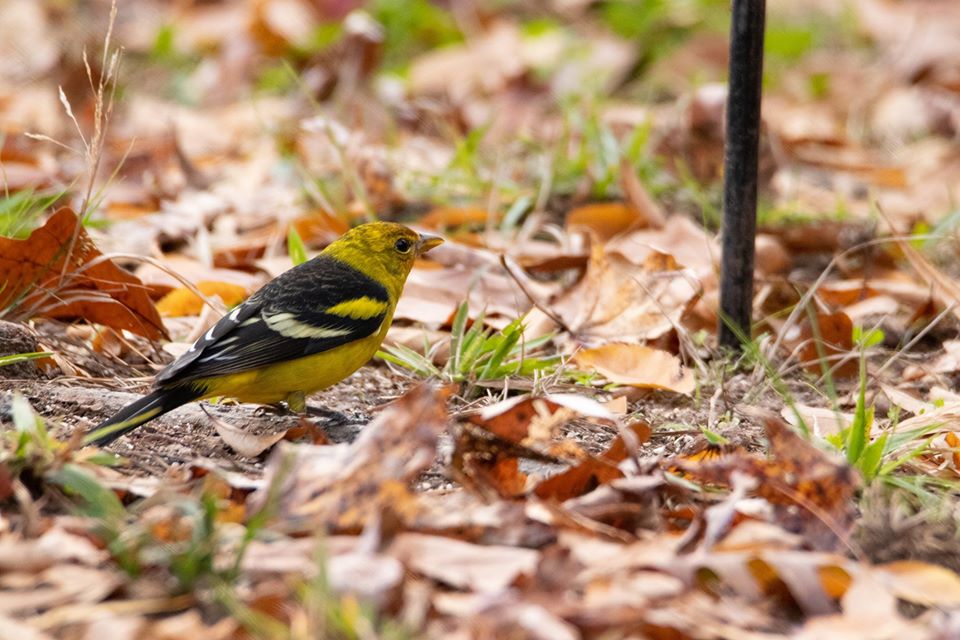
(551, 444)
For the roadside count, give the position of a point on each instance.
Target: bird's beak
(427, 242)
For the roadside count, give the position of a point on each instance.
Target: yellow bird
(305, 330)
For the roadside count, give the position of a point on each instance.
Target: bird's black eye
(402, 245)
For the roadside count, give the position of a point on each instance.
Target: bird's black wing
(314, 307)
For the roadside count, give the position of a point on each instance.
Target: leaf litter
(572, 160)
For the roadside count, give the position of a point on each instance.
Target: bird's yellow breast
(273, 383)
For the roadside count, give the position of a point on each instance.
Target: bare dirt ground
(187, 433)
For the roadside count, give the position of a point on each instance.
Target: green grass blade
(295, 247)
(98, 501)
(457, 330)
(17, 358)
(506, 344)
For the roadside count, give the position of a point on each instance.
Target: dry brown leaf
(953, 441)
(91, 287)
(58, 585)
(537, 418)
(54, 546)
(161, 281)
(482, 568)
(895, 284)
(941, 287)
(904, 400)
(796, 474)
(618, 301)
(487, 451)
(637, 366)
(11, 628)
(189, 624)
(184, 302)
(279, 26)
(866, 164)
(771, 256)
(319, 229)
(482, 65)
(242, 251)
(822, 342)
(431, 296)
(691, 246)
(340, 487)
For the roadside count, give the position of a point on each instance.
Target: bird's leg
(297, 402)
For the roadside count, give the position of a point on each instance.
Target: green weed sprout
(477, 354)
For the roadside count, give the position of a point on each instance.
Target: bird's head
(384, 250)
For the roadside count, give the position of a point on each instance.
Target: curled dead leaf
(243, 442)
(619, 300)
(487, 451)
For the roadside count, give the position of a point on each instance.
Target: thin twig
(506, 262)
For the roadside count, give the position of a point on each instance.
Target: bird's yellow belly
(272, 384)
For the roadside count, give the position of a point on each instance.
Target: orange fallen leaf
(58, 272)
(953, 440)
(638, 366)
(184, 302)
(109, 341)
(486, 452)
(834, 580)
(531, 419)
(594, 471)
(605, 219)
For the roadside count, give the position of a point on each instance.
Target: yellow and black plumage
(306, 329)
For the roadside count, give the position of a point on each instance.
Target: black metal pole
(740, 170)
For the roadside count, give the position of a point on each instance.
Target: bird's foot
(271, 410)
(332, 417)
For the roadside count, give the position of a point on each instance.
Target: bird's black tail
(136, 413)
